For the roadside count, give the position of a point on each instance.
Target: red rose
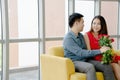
(116, 58)
(112, 40)
(98, 57)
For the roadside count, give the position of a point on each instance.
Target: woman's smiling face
(96, 25)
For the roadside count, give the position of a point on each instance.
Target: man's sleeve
(73, 47)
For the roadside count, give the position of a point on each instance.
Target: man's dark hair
(73, 18)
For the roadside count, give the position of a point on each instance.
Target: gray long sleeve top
(75, 47)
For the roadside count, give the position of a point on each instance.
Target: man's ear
(76, 22)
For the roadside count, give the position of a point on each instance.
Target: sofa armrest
(117, 52)
(56, 68)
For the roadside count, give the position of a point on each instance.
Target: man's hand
(104, 49)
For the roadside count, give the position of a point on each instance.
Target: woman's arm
(87, 41)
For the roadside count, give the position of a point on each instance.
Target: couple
(76, 45)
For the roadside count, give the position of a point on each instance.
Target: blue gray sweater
(75, 47)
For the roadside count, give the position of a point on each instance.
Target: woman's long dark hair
(102, 23)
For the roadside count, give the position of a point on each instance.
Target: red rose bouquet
(107, 56)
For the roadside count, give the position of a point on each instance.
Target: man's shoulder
(68, 35)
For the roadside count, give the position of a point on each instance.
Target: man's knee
(90, 67)
(84, 67)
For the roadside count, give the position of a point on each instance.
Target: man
(75, 49)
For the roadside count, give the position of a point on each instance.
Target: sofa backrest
(56, 51)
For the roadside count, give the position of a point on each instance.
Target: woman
(99, 27)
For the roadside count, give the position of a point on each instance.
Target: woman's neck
(95, 34)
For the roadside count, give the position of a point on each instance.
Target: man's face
(80, 25)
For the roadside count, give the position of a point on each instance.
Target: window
(23, 19)
(23, 36)
(110, 14)
(54, 22)
(23, 54)
(0, 45)
(24, 32)
(52, 43)
(54, 18)
(86, 8)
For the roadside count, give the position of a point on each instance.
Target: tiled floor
(28, 75)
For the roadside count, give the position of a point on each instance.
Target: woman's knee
(108, 68)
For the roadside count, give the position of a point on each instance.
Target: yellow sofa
(54, 66)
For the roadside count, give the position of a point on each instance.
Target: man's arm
(73, 47)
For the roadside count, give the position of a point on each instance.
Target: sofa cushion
(78, 76)
(82, 76)
(99, 76)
